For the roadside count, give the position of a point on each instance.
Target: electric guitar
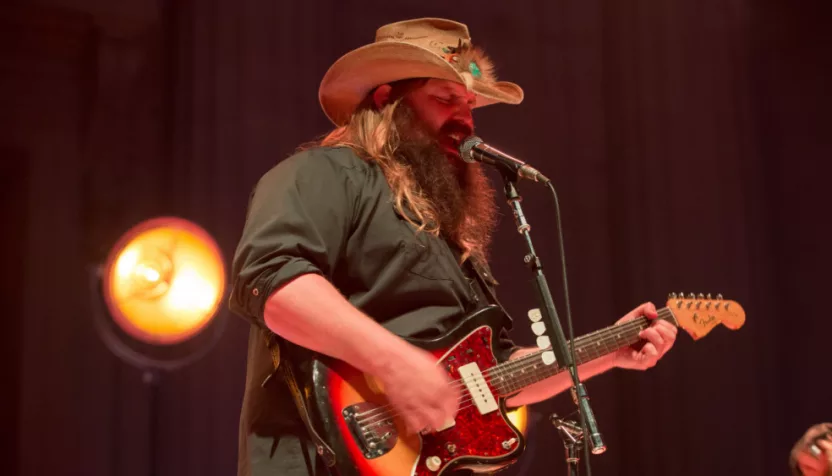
(368, 439)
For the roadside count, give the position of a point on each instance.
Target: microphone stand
(573, 440)
(563, 356)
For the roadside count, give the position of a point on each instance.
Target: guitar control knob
(433, 463)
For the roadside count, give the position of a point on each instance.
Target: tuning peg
(719, 297)
(535, 315)
(671, 296)
(538, 328)
(681, 295)
(691, 296)
(548, 357)
(543, 342)
(701, 296)
(709, 296)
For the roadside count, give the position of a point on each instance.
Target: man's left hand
(660, 337)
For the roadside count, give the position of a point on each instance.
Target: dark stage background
(686, 139)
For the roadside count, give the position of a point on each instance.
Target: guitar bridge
(372, 428)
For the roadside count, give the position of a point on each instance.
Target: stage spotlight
(158, 292)
(164, 280)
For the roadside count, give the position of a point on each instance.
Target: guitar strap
(486, 281)
(284, 367)
(487, 284)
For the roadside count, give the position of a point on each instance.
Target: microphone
(473, 149)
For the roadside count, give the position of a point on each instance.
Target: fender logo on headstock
(704, 322)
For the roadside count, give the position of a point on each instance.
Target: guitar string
(523, 361)
(368, 429)
(664, 314)
(515, 364)
(369, 423)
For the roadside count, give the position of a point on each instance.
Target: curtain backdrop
(685, 139)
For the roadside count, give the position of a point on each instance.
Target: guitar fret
(517, 374)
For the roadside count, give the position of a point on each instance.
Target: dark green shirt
(327, 211)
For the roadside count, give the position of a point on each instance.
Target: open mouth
(453, 141)
(457, 137)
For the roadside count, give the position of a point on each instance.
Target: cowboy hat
(420, 48)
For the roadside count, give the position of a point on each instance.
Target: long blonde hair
(372, 134)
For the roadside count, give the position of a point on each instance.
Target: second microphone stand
(563, 356)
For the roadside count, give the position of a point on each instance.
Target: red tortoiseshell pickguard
(481, 436)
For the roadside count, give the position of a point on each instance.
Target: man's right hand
(421, 392)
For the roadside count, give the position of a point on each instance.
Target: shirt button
(255, 291)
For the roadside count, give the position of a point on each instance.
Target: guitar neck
(517, 374)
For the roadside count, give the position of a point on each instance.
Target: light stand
(138, 355)
(154, 303)
(562, 355)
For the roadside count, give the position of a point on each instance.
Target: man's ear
(381, 96)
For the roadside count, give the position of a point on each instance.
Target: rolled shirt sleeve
(298, 221)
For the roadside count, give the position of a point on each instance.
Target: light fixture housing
(163, 281)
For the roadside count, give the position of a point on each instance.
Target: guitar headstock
(699, 314)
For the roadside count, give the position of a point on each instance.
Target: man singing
(380, 231)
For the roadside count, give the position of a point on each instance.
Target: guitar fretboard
(514, 375)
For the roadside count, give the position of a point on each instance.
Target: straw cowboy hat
(420, 48)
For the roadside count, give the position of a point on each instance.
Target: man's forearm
(310, 312)
(552, 386)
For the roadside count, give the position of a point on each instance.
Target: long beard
(460, 193)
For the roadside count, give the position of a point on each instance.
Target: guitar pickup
(478, 388)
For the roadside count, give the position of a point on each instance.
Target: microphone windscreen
(467, 146)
